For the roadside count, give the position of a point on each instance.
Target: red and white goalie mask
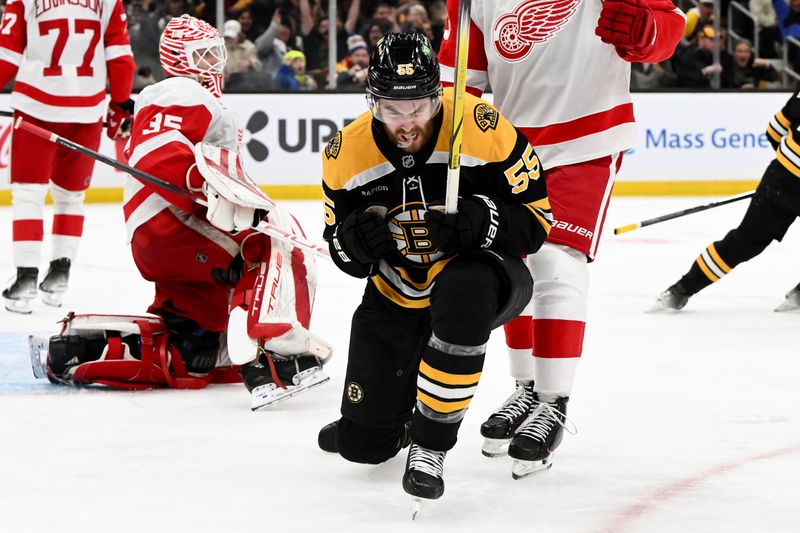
(192, 48)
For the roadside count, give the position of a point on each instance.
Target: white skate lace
(427, 461)
(542, 421)
(518, 404)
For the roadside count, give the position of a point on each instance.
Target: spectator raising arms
(747, 71)
(292, 74)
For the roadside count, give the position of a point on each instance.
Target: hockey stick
(10, 114)
(459, 89)
(682, 213)
(264, 227)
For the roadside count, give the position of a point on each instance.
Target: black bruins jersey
(783, 134)
(362, 168)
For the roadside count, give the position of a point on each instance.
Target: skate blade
(495, 447)
(36, 347)
(659, 307)
(270, 394)
(521, 468)
(22, 306)
(416, 510)
(53, 299)
(789, 304)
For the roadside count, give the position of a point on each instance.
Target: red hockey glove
(627, 24)
(119, 119)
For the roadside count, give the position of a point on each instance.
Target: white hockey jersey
(59, 51)
(169, 119)
(551, 76)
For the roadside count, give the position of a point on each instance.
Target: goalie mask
(192, 48)
(403, 66)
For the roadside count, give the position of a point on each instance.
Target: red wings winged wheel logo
(531, 22)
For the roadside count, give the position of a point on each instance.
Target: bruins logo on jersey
(409, 231)
(486, 116)
(334, 146)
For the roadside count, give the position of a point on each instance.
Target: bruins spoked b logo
(409, 231)
(354, 392)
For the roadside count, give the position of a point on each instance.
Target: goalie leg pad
(128, 352)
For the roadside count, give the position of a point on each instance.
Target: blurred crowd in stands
(278, 45)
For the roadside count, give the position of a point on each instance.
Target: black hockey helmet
(403, 66)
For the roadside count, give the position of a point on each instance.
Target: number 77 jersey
(62, 52)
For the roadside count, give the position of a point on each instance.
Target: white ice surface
(687, 422)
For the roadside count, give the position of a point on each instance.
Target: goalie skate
(271, 393)
(37, 349)
(792, 301)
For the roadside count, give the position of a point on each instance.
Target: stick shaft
(264, 227)
(10, 114)
(459, 90)
(682, 213)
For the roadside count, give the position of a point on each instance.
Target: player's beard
(413, 139)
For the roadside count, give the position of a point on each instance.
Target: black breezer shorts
(387, 341)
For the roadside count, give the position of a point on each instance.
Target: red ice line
(629, 515)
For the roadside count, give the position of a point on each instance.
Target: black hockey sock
(448, 377)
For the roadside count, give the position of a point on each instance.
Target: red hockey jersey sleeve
(670, 22)
(477, 64)
(13, 39)
(170, 118)
(119, 58)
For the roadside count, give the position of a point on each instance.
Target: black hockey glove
(363, 237)
(475, 225)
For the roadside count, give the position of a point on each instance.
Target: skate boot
(499, 428)
(54, 284)
(272, 378)
(792, 301)
(327, 437)
(424, 473)
(672, 299)
(20, 295)
(538, 437)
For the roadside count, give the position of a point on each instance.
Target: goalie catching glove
(235, 202)
(475, 225)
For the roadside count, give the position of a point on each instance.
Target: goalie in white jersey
(559, 71)
(62, 54)
(225, 295)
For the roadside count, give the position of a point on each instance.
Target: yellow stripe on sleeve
(781, 118)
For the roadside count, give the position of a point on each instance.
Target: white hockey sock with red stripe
(27, 203)
(67, 222)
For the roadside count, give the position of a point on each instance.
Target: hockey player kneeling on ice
(438, 283)
(224, 294)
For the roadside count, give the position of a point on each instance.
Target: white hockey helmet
(192, 48)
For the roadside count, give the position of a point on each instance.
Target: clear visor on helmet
(207, 55)
(400, 112)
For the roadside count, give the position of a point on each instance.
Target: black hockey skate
(327, 437)
(538, 437)
(54, 284)
(672, 299)
(272, 378)
(424, 477)
(792, 301)
(19, 296)
(499, 428)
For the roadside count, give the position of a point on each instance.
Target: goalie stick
(264, 227)
(682, 213)
(459, 89)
